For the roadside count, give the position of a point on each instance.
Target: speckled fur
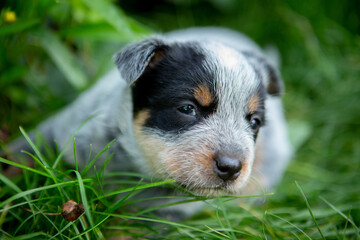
(238, 69)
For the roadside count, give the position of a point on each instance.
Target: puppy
(200, 106)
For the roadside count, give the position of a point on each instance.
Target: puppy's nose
(227, 168)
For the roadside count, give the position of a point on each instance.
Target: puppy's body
(186, 106)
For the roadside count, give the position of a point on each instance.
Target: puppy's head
(198, 108)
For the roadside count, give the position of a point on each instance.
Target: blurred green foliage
(55, 49)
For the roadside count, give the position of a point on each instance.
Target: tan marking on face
(141, 118)
(150, 145)
(203, 95)
(198, 160)
(253, 103)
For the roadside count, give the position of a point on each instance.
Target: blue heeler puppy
(200, 106)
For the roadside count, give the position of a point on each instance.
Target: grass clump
(32, 203)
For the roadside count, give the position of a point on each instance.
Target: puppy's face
(197, 111)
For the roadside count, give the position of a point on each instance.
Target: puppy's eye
(255, 123)
(187, 109)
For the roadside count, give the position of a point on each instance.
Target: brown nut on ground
(71, 210)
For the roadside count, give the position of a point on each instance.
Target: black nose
(227, 168)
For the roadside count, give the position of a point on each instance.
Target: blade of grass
(34, 148)
(42, 162)
(86, 205)
(165, 205)
(194, 199)
(309, 208)
(341, 214)
(175, 224)
(13, 186)
(5, 235)
(24, 221)
(4, 213)
(98, 181)
(10, 184)
(75, 158)
(84, 226)
(24, 167)
(218, 218)
(263, 224)
(35, 235)
(346, 225)
(293, 225)
(102, 170)
(72, 137)
(223, 210)
(38, 154)
(47, 218)
(89, 165)
(31, 191)
(258, 216)
(31, 201)
(223, 235)
(62, 230)
(121, 201)
(93, 228)
(156, 184)
(84, 198)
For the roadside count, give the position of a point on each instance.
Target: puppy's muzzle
(227, 168)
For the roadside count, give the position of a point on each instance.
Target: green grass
(56, 49)
(43, 189)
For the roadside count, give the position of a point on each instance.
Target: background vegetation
(50, 51)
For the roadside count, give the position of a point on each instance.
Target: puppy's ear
(271, 77)
(272, 80)
(135, 58)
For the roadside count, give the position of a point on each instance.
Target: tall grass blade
(35, 235)
(86, 205)
(174, 224)
(43, 163)
(341, 214)
(75, 158)
(62, 230)
(13, 186)
(89, 165)
(84, 198)
(93, 227)
(35, 149)
(39, 189)
(24, 167)
(309, 208)
(224, 212)
(293, 225)
(71, 139)
(215, 231)
(4, 213)
(156, 184)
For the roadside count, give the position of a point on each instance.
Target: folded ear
(271, 77)
(273, 81)
(135, 58)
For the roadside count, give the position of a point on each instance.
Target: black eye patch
(176, 91)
